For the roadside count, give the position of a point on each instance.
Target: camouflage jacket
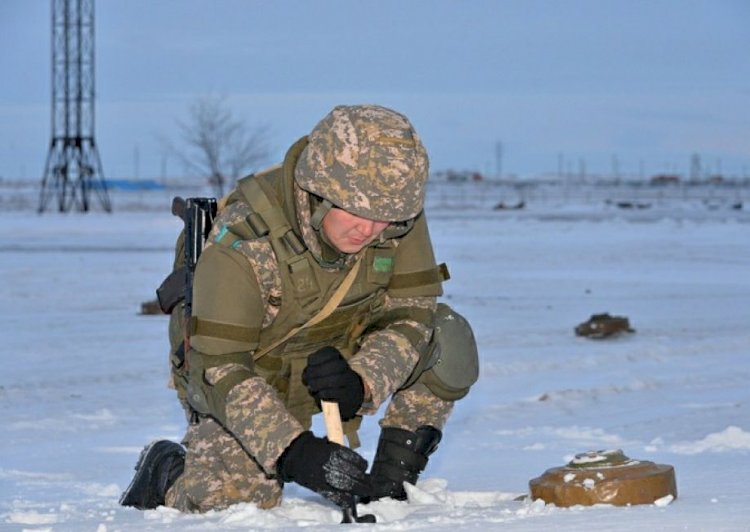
(241, 286)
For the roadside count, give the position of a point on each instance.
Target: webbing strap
(257, 224)
(226, 331)
(327, 310)
(413, 336)
(320, 212)
(418, 314)
(421, 278)
(262, 200)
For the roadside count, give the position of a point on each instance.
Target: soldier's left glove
(328, 377)
(334, 471)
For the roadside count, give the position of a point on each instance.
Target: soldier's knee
(452, 365)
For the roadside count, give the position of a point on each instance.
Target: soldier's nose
(367, 228)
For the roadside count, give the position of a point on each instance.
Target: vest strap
(319, 214)
(327, 310)
(244, 230)
(295, 244)
(225, 331)
(257, 224)
(425, 277)
(414, 337)
(418, 314)
(269, 213)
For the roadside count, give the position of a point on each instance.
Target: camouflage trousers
(219, 472)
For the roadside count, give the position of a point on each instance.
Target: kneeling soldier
(318, 282)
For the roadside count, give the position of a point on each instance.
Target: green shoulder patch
(382, 264)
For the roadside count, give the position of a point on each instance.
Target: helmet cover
(367, 160)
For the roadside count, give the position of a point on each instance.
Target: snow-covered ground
(83, 375)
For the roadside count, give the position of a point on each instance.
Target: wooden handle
(335, 431)
(332, 418)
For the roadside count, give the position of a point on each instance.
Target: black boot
(401, 457)
(159, 465)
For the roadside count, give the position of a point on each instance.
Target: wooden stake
(332, 417)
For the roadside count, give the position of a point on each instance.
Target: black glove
(334, 471)
(329, 378)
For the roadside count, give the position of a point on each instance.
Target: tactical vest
(306, 287)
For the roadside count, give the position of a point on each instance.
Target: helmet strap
(319, 213)
(398, 229)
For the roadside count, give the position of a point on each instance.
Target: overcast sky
(647, 82)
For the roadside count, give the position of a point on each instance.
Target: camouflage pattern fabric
(374, 362)
(368, 160)
(261, 422)
(416, 406)
(219, 473)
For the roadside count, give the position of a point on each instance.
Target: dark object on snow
(503, 207)
(605, 477)
(632, 205)
(603, 325)
(628, 204)
(151, 308)
(159, 465)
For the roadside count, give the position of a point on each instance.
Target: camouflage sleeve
(260, 422)
(230, 292)
(258, 254)
(387, 356)
(252, 412)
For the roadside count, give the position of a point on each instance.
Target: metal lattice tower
(73, 169)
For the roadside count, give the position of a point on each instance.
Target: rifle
(198, 215)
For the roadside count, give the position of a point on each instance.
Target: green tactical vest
(306, 287)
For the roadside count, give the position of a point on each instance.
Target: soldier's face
(349, 232)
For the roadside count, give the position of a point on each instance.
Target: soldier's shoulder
(233, 213)
(225, 233)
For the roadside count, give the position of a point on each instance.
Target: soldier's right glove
(334, 471)
(328, 377)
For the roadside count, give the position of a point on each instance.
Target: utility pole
(695, 167)
(499, 159)
(615, 167)
(73, 169)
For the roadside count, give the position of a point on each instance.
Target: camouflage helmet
(367, 160)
